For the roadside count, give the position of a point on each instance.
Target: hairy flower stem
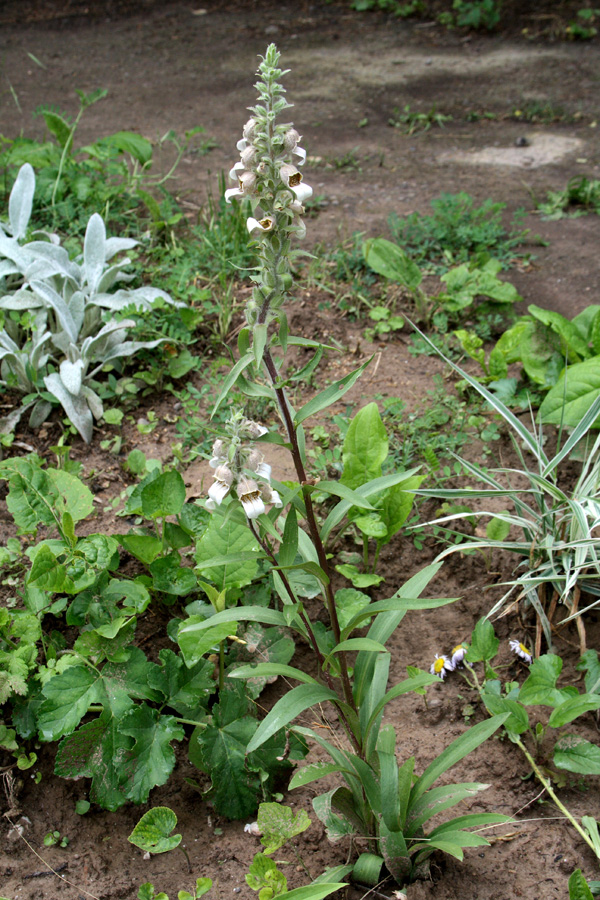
(292, 596)
(311, 520)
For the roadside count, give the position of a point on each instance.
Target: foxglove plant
(380, 799)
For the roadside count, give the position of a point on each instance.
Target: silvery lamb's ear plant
(551, 530)
(380, 799)
(66, 300)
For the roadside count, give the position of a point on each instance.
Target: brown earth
(178, 65)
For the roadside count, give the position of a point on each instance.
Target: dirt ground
(178, 65)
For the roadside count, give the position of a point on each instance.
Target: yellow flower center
(438, 665)
(524, 649)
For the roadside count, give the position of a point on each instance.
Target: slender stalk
(311, 521)
(548, 787)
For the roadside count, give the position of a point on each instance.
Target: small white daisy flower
(457, 654)
(521, 651)
(441, 666)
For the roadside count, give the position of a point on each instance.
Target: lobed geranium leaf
(152, 759)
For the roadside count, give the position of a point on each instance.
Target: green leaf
(359, 579)
(392, 262)
(194, 644)
(312, 773)
(540, 685)
(269, 670)
(152, 759)
(590, 664)
(145, 547)
(289, 544)
(567, 404)
(68, 697)
(330, 395)
(365, 447)
(484, 643)
(575, 754)
(46, 573)
(96, 751)
(572, 708)
(518, 720)
(225, 538)
(396, 504)
(153, 831)
(171, 577)
(287, 708)
(220, 750)
(264, 876)
(279, 824)
(578, 887)
(457, 750)
(164, 496)
(349, 603)
(75, 497)
(231, 379)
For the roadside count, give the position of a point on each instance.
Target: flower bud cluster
(267, 173)
(240, 466)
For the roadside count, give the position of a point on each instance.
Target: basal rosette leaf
(152, 758)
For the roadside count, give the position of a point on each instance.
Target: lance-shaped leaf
(287, 708)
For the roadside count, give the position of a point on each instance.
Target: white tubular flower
(221, 485)
(457, 655)
(249, 495)
(521, 651)
(242, 144)
(233, 192)
(290, 175)
(234, 172)
(441, 666)
(252, 828)
(300, 152)
(255, 226)
(263, 470)
(302, 192)
(270, 496)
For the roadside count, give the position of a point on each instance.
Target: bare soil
(178, 65)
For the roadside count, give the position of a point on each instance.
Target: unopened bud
(248, 157)
(290, 139)
(249, 130)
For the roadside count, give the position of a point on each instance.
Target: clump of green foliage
(457, 230)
